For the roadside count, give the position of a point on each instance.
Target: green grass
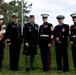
(38, 64)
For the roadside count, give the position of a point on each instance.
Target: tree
(13, 6)
(3, 7)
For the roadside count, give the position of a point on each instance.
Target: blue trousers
(46, 59)
(1, 56)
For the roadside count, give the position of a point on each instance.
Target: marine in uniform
(14, 39)
(73, 38)
(30, 34)
(2, 33)
(45, 41)
(61, 44)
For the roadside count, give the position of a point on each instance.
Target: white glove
(27, 44)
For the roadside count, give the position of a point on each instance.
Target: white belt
(44, 35)
(74, 36)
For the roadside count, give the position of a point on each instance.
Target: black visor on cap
(44, 17)
(1, 18)
(60, 18)
(74, 17)
(14, 16)
(31, 16)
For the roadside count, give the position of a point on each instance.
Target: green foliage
(8, 8)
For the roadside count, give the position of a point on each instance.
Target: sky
(53, 8)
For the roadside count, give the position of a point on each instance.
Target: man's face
(1, 21)
(74, 20)
(31, 19)
(45, 19)
(60, 21)
(15, 19)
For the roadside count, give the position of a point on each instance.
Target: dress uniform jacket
(62, 32)
(45, 32)
(30, 34)
(13, 34)
(73, 34)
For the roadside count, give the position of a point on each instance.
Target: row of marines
(43, 36)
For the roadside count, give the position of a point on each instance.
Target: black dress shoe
(12, 69)
(75, 71)
(65, 70)
(32, 68)
(18, 69)
(27, 69)
(0, 69)
(59, 68)
(45, 70)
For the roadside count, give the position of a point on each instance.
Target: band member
(73, 38)
(14, 39)
(61, 44)
(45, 41)
(2, 32)
(30, 34)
